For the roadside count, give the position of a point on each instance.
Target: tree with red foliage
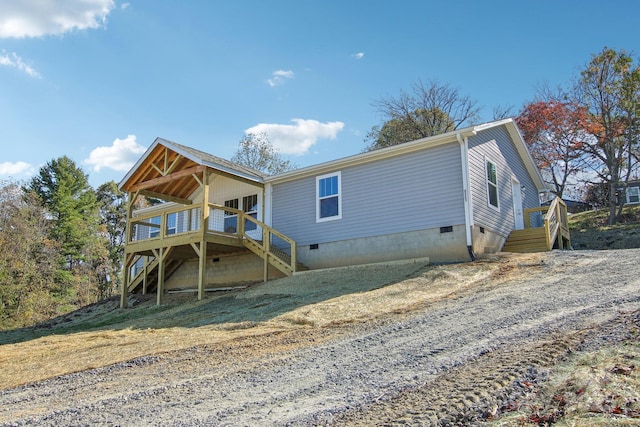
(555, 132)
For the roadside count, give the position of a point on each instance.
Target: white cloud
(36, 18)
(16, 170)
(358, 55)
(13, 60)
(299, 137)
(278, 77)
(120, 156)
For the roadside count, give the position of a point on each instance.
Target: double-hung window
(250, 207)
(492, 184)
(328, 197)
(154, 231)
(172, 223)
(231, 217)
(633, 195)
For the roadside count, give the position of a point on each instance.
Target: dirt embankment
(447, 345)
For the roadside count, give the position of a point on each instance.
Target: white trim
(339, 195)
(268, 201)
(516, 193)
(466, 188)
(486, 184)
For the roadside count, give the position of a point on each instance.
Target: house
(448, 197)
(632, 193)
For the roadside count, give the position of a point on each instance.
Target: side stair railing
(276, 248)
(555, 222)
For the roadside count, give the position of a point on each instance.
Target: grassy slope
(589, 230)
(90, 335)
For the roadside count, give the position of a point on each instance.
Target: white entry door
(518, 214)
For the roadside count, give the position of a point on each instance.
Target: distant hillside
(589, 230)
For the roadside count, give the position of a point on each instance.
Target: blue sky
(99, 80)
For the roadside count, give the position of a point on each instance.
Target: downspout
(466, 191)
(268, 204)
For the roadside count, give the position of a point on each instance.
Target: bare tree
(427, 110)
(257, 152)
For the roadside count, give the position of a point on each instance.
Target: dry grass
(106, 334)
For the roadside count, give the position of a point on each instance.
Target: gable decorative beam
(167, 168)
(166, 197)
(168, 178)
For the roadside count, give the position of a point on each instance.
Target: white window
(154, 231)
(172, 223)
(492, 184)
(247, 204)
(230, 217)
(633, 195)
(328, 197)
(250, 207)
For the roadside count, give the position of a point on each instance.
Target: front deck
(158, 243)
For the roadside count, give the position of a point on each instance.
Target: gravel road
(453, 361)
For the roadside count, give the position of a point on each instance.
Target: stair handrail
(267, 234)
(556, 223)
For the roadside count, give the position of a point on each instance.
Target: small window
(231, 217)
(172, 223)
(250, 207)
(492, 184)
(154, 231)
(633, 195)
(328, 197)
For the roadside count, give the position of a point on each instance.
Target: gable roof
(420, 144)
(168, 159)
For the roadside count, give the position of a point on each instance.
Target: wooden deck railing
(555, 221)
(180, 225)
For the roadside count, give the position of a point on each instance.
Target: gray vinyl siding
(416, 191)
(497, 146)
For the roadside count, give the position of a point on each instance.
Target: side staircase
(552, 234)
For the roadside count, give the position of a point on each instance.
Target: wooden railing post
(240, 225)
(266, 244)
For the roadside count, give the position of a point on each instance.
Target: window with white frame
(492, 184)
(328, 197)
(250, 207)
(172, 223)
(231, 217)
(154, 231)
(633, 195)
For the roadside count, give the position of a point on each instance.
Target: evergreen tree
(64, 190)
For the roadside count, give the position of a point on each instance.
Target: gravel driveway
(453, 361)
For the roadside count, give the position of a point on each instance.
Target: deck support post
(160, 287)
(127, 238)
(204, 226)
(125, 282)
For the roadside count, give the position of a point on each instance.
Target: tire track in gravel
(426, 364)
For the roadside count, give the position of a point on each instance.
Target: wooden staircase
(526, 240)
(147, 277)
(553, 234)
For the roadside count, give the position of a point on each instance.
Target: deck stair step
(527, 240)
(279, 258)
(152, 275)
